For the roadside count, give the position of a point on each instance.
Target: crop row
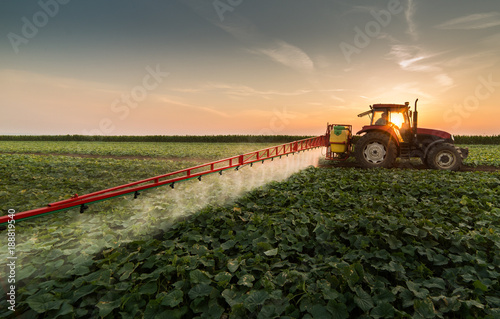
(159, 138)
(479, 155)
(326, 243)
(165, 150)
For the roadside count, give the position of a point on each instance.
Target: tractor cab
(395, 117)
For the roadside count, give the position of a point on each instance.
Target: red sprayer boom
(135, 188)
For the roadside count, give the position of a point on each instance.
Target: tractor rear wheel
(444, 156)
(375, 150)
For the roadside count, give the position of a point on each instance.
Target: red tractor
(392, 133)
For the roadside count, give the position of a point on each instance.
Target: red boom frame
(171, 178)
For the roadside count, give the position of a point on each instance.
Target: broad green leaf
(44, 302)
(434, 282)
(255, 298)
(65, 309)
(148, 288)
(228, 244)
(246, 280)
(363, 299)
(199, 277)
(232, 297)
(384, 310)
(83, 291)
(320, 312)
(223, 276)
(479, 285)
(173, 298)
(474, 303)
(337, 310)
(495, 301)
(126, 271)
(271, 252)
(200, 290)
(108, 303)
(233, 265)
(25, 272)
(419, 292)
(425, 308)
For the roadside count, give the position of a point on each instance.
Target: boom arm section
(171, 178)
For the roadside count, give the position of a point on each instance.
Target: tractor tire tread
(389, 143)
(443, 146)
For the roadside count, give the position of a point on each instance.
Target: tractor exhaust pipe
(415, 120)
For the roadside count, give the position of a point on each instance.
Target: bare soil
(420, 166)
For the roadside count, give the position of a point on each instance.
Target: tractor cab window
(398, 119)
(380, 118)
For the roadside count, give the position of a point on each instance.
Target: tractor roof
(384, 107)
(391, 106)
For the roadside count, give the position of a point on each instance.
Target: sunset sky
(196, 67)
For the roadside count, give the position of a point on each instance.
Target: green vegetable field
(327, 242)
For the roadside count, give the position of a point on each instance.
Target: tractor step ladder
(405, 150)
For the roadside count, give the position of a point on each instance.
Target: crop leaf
(255, 299)
(246, 280)
(337, 310)
(479, 285)
(419, 292)
(320, 312)
(271, 252)
(232, 297)
(200, 290)
(148, 288)
(384, 310)
(363, 300)
(44, 302)
(83, 291)
(173, 298)
(424, 308)
(108, 303)
(233, 265)
(66, 308)
(199, 277)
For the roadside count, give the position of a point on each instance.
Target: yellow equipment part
(339, 138)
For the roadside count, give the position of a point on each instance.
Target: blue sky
(244, 67)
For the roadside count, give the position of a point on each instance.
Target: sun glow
(397, 119)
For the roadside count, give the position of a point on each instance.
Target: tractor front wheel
(444, 156)
(375, 150)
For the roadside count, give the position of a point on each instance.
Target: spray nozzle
(83, 208)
